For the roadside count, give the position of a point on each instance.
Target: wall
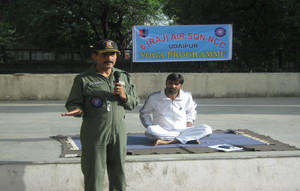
(57, 86)
(267, 174)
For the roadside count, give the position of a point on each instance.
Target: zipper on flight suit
(109, 106)
(109, 87)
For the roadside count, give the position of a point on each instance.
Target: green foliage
(271, 25)
(6, 35)
(76, 23)
(266, 32)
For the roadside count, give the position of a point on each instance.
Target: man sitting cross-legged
(169, 114)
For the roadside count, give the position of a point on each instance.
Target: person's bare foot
(164, 142)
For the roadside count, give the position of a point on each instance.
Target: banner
(182, 43)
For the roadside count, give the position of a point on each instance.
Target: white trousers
(155, 132)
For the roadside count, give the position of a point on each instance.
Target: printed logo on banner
(144, 33)
(220, 32)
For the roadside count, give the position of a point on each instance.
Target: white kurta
(166, 119)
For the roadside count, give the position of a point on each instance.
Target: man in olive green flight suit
(100, 96)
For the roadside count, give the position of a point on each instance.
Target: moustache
(108, 61)
(171, 90)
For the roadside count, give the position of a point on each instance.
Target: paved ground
(26, 126)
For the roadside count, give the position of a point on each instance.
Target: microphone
(117, 90)
(117, 75)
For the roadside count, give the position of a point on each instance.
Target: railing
(75, 60)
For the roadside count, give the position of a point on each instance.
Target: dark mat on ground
(138, 144)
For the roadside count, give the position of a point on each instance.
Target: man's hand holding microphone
(119, 88)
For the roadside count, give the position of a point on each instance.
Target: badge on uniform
(96, 102)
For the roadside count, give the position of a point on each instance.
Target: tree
(7, 31)
(76, 23)
(261, 29)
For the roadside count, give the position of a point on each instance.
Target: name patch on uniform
(95, 83)
(96, 102)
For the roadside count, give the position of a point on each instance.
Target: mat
(138, 144)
